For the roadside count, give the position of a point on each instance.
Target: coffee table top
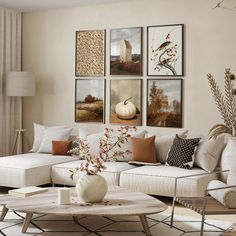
(118, 201)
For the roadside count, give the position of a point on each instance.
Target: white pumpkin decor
(125, 110)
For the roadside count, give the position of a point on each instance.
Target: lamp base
(18, 141)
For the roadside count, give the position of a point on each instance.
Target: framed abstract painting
(90, 53)
(90, 100)
(126, 51)
(164, 103)
(165, 50)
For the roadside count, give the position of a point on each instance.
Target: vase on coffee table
(91, 188)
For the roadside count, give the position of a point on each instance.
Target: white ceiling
(36, 5)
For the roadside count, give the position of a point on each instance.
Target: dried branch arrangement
(109, 150)
(225, 103)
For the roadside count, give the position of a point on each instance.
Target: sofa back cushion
(39, 131)
(50, 135)
(163, 144)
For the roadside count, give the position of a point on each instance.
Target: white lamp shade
(20, 83)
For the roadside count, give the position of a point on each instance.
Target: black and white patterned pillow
(181, 153)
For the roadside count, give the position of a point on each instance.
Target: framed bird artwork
(165, 50)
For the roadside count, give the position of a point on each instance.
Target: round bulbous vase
(228, 157)
(91, 188)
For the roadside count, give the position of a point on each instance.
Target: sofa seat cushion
(28, 169)
(160, 180)
(61, 173)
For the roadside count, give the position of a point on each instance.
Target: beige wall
(49, 52)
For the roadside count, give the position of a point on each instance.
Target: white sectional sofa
(39, 169)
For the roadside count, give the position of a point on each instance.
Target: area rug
(109, 226)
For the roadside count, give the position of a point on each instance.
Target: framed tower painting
(126, 52)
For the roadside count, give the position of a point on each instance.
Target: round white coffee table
(118, 202)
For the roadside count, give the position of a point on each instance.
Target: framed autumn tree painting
(165, 50)
(164, 103)
(90, 100)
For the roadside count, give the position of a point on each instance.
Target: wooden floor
(180, 210)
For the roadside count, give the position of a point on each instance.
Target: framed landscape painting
(165, 50)
(90, 53)
(126, 51)
(90, 100)
(164, 103)
(126, 101)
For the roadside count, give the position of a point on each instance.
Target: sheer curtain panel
(10, 60)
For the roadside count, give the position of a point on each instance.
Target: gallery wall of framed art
(130, 94)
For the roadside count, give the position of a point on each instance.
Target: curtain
(10, 60)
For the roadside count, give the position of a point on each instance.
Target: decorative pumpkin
(125, 110)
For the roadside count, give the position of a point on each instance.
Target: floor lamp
(19, 84)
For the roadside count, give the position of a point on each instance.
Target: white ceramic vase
(228, 158)
(91, 188)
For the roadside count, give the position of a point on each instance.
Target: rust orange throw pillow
(60, 147)
(144, 150)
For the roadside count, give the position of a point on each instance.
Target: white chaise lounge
(28, 169)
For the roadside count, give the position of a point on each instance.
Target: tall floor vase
(228, 159)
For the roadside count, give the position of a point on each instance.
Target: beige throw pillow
(208, 153)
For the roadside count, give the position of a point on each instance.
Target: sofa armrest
(187, 176)
(215, 189)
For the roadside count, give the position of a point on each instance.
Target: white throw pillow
(208, 153)
(163, 144)
(227, 197)
(53, 134)
(38, 135)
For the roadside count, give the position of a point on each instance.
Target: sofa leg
(3, 214)
(202, 224)
(53, 185)
(172, 212)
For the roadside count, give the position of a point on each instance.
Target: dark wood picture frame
(131, 67)
(165, 55)
(89, 110)
(87, 59)
(163, 112)
(136, 98)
